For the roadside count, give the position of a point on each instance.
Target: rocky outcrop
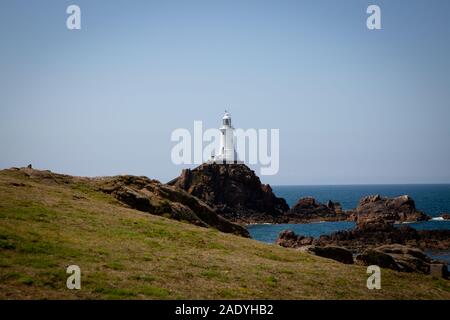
(154, 197)
(309, 209)
(237, 194)
(377, 240)
(233, 190)
(143, 194)
(331, 252)
(359, 239)
(402, 258)
(446, 216)
(375, 217)
(289, 239)
(375, 212)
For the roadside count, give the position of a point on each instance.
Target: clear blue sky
(352, 105)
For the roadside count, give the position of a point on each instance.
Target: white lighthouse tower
(227, 152)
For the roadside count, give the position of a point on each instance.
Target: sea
(432, 199)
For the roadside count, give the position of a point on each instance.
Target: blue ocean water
(269, 232)
(431, 199)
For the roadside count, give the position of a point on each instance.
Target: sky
(353, 106)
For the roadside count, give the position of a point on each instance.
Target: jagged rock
(331, 252)
(433, 239)
(401, 258)
(289, 239)
(375, 218)
(309, 209)
(374, 212)
(154, 197)
(233, 190)
(360, 239)
(312, 207)
(446, 216)
(335, 206)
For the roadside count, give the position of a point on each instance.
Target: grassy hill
(48, 224)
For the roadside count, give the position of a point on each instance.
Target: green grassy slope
(126, 254)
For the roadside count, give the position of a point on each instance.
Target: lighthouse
(227, 152)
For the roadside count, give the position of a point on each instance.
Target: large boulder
(233, 190)
(309, 209)
(401, 258)
(289, 239)
(373, 257)
(375, 212)
(339, 254)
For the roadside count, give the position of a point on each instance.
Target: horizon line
(362, 184)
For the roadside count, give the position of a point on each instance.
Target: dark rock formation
(375, 212)
(377, 240)
(375, 218)
(401, 258)
(359, 239)
(289, 239)
(233, 190)
(154, 197)
(374, 257)
(395, 256)
(335, 206)
(446, 216)
(309, 209)
(332, 252)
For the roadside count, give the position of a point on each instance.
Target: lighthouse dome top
(226, 115)
(226, 120)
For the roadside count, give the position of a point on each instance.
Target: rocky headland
(143, 194)
(237, 194)
(234, 191)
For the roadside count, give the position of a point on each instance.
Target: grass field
(126, 254)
